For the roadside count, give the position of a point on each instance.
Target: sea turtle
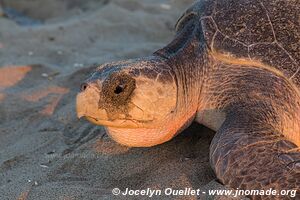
(233, 67)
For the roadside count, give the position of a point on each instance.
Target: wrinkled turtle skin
(233, 66)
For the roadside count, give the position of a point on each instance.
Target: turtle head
(146, 102)
(135, 100)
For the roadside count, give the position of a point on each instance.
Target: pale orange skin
(232, 68)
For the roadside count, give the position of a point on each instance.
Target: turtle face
(135, 100)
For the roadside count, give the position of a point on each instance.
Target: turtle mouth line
(119, 123)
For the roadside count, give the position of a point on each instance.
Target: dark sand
(46, 51)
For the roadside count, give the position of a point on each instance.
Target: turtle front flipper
(250, 155)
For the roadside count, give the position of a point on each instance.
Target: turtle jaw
(114, 124)
(141, 137)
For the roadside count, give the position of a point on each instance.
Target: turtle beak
(85, 98)
(81, 100)
(79, 108)
(87, 102)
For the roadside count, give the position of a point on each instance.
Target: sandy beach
(47, 48)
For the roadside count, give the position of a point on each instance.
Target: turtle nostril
(83, 87)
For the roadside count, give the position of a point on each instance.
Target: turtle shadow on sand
(93, 158)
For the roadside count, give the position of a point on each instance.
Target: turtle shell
(267, 31)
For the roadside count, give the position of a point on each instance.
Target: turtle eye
(119, 89)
